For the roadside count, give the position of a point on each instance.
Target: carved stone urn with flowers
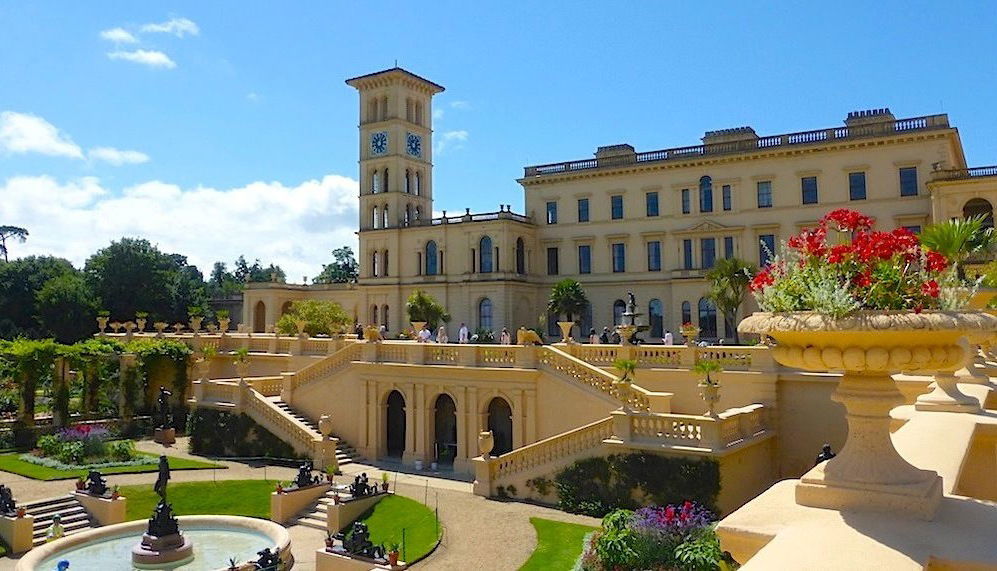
(868, 307)
(709, 386)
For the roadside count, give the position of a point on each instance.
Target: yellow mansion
(652, 222)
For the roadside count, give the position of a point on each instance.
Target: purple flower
(674, 521)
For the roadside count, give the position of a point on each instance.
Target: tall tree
(343, 269)
(14, 233)
(729, 280)
(567, 298)
(66, 308)
(222, 282)
(20, 281)
(257, 273)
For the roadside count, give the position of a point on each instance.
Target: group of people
(425, 335)
(608, 337)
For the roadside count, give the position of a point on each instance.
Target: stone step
(69, 511)
(47, 502)
(74, 521)
(313, 522)
(69, 530)
(52, 508)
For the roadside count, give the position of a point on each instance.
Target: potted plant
(140, 319)
(196, 314)
(384, 482)
(22, 511)
(710, 387)
(335, 497)
(330, 541)
(627, 368)
(80, 484)
(102, 317)
(115, 492)
(223, 319)
(689, 332)
(567, 298)
(872, 306)
(330, 474)
(280, 488)
(393, 554)
(241, 361)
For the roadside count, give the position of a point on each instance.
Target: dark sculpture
(164, 477)
(825, 454)
(358, 542)
(163, 402)
(631, 303)
(7, 504)
(96, 484)
(163, 522)
(269, 560)
(305, 477)
(360, 487)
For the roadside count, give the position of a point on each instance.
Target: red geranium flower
(930, 288)
(846, 220)
(936, 262)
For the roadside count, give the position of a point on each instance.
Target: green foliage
(321, 318)
(217, 433)
(567, 298)
(222, 283)
(596, 486)
(707, 367)
(20, 282)
(249, 498)
(958, 239)
(12, 463)
(66, 307)
(245, 273)
(484, 336)
(729, 280)
(343, 269)
(701, 552)
(626, 367)
(540, 485)
(423, 307)
(390, 516)
(15, 233)
(618, 546)
(558, 544)
(30, 362)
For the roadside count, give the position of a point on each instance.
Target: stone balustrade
(651, 431)
(731, 357)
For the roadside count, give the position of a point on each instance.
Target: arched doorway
(500, 423)
(444, 429)
(395, 425)
(979, 207)
(285, 308)
(260, 317)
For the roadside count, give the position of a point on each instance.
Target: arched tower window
(384, 263)
(418, 112)
(376, 222)
(418, 213)
(520, 256)
(485, 255)
(373, 315)
(384, 216)
(409, 109)
(431, 259)
(707, 318)
(979, 207)
(384, 317)
(408, 181)
(418, 183)
(384, 187)
(372, 110)
(374, 269)
(706, 194)
(485, 314)
(408, 214)
(375, 182)
(686, 312)
(384, 108)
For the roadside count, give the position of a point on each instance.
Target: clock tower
(396, 136)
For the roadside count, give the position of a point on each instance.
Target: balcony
(962, 174)
(820, 136)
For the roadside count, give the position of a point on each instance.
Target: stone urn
(372, 334)
(102, 323)
(325, 425)
(160, 326)
(711, 396)
(486, 441)
(566, 331)
(177, 327)
(212, 328)
(242, 368)
(626, 332)
(690, 336)
(116, 326)
(223, 323)
(201, 368)
(195, 323)
(129, 327)
(868, 346)
(140, 323)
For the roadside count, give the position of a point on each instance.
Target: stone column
(472, 418)
(421, 452)
(530, 419)
(373, 421)
(410, 456)
(517, 419)
(463, 453)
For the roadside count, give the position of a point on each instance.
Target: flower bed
(81, 446)
(661, 538)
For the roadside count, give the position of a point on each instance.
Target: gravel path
(478, 533)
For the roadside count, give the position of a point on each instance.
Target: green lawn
(394, 513)
(249, 498)
(11, 462)
(558, 545)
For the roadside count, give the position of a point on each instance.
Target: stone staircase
(74, 518)
(315, 516)
(345, 453)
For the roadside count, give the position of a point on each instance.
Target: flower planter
(566, 331)
(392, 558)
(223, 324)
(711, 395)
(868, 346)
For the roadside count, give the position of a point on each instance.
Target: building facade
(651, 222)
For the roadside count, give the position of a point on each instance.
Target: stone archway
(444, 429)
(500, 423)
(395, 425)
(260, 317)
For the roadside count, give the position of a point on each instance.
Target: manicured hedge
(597, 486)
(218, 433)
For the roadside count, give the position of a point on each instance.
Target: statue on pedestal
(163, 406)
(305, 477)
(360, 487)
(358, 542)
(8, 506)
(96, 484)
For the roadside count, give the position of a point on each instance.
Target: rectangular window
(708, 252)
(654, 256)
(651, 200)
(687, 254)
(808, 185)
(619, 258)
(583, 210)
(908, 181)
(725, 193)
(585, 259)
(616, 207)
(552, 262)
(706, 198)
(686, 207)
(856, 186)
(913, 229)
(766, 248)
(764, 194)
(728, 247)
(551, 213)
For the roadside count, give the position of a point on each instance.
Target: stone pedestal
(158, 551)
(331, 561)
(946, 397)
(165, 436)
(104, 511)
(17, 532)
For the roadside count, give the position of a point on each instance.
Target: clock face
(413, 144)
(379, 143)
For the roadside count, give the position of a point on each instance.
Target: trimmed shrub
(217, 433)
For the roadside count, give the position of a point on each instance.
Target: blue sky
(226, 128)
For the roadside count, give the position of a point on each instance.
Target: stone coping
(277, 533)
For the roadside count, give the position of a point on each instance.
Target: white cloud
(25, 133)
(295, 227)
(117, 157)
(460, 105)
(253, 96)
(118, 36)
(150, 58)
(176, 26)
(450, 140)
(437, 114)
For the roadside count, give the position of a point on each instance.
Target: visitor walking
(462, 334)
(441, 335)
(669, 338)
(593, 338)
(505, 338)
(604, 338)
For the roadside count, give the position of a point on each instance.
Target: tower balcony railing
(961, 174)
(886, 128)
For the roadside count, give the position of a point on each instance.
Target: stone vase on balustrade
(868, 474)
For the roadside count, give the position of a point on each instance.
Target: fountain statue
(628, 329)
(165, 432)
(305, 477)
(96, 485)
(358, 542)
(163, 542)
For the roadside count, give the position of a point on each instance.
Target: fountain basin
(215, 539)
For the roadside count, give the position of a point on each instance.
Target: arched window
(384, 216)
(373, 264)
(260, 317)
(485, 314)
(384, 317)
(409, 109)
(372, 110)
(285, 308)
(706, 194)
(485, 255)
(384, 107)
(686, 312)
(373, 315)
(408, 214)
(418, 213)
(618, 308)
(418, 183)
(384, 187)
(707, 318)
(375, 182)
(520, 256)
(431, 265)
(979, 207)
(408, 181)
(384, 263)
(376, 223)
(656, 315)
(418, 112)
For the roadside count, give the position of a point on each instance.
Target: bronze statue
(825, 454)
(164, 476)
(7, 504)
(163, 402)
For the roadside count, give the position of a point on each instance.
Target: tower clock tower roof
(392, 75)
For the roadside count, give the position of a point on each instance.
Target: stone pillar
(621, 425)
(472, 422)
(60, 378)
(530, 419)
(463, 453)
(517, 419)
(17, 532)
(409, 456)
(421, 451)
(373, 421)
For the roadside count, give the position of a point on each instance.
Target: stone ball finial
(486, 441)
